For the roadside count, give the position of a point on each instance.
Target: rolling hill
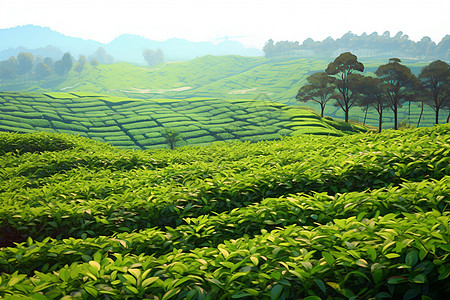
(137, 123)
(222, 77)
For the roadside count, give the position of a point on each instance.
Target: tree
(269, 49)
(172, 137)
(319, 89)
(25, 63)
(371, 94)
(63, 66)
(435, 79)
(8, 68)
(101, 56)
(42, 71)
(94, 63)
(343, 67)
(398, 84)
(49, 62)
(81, 64)
(153, 58)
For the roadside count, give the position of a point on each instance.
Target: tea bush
(314, 217)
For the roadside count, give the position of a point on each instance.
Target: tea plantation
(135, 123)
(221, 77)
(363, 216)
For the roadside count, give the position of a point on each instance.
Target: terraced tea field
(134, 123)
(362, 216)
(221, 77)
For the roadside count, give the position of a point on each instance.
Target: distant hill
(126, 47)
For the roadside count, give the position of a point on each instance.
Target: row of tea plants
(353, 217)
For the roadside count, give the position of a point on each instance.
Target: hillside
(141, 124)
(222, 77)
(361, 216)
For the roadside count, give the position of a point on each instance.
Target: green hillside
(135, 123)
(363, 216)
(208, 76)
(222, 77)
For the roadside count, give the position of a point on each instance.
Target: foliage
(399, 84)
(24, 62)
(435, 78)
(361, 216)
(371, 94)
(343, 67)
(374, 45)
(319, 89)
(172, 137)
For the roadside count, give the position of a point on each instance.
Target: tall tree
(319, 89)
(342, 68)
(398, 84)
(8, 68)
(25, 62)
(49, 62)
(371, 94)
(435, 79)
(269, 49)
(42, 71)
(63, 66)
(81, 64)
(101, 56)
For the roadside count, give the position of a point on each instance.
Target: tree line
(371, 45)
(395, 84)
(25, 64)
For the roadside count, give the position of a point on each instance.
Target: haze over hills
(128, 47)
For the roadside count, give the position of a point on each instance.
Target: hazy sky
(254, 21)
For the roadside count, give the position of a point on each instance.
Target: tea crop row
(132, 123)
(210, 231)
(386, 257)
(358, 216)
(75, 193)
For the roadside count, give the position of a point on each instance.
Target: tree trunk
(395, 118)
(409, 112)
(365, 116)
(448, 117)
(420, 116)
(437, 115)
(322, 108)
(380, 121)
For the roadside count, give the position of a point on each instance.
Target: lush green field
(363, 216)
(135, 123)
(221, 77)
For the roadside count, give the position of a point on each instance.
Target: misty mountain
(32, 37)
(128, 47)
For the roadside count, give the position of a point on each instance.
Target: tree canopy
(319, 89)
(399, 84)
(343, 67)
(435, 79)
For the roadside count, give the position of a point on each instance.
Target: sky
(251, 22)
